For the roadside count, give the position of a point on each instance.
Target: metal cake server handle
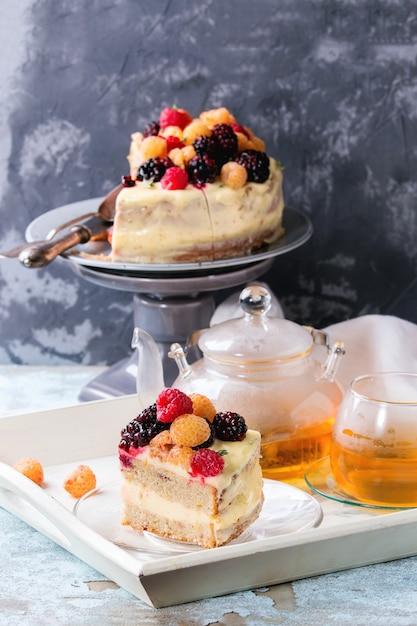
(41, 253)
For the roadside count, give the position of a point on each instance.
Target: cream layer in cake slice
(155, 225)
(165, 499)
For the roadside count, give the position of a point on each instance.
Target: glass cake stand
(169, 301)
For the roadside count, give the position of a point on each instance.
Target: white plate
(286, 510)
(298, 230)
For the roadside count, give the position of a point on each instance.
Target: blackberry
(209, 441)
(205, 145)
(226, 140)
(142, 429)
(229, 426)
(152, 129)
(256, 164)
(201, 169)
(154, 169)
(127, 181)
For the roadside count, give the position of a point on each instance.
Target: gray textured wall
(330, 84)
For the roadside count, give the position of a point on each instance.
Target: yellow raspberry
(195, 129)
(258, 144)
(188, 153)
(242, 142)
(31, 468)
(80, 481)
(152, 147)
(172, 131)
(177, 157)
(217, 116)
(181, 455)
(233, 175)
(203, 406)
(161, 440)
(190, 430)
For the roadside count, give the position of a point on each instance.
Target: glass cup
(373, 451)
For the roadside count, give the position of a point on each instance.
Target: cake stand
(169, 301)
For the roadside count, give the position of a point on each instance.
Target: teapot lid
(255, 337)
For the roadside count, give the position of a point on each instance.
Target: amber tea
(373, 452)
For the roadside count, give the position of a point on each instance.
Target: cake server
(41, 253)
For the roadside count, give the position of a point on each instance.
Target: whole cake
(189, 473)
(198, 190)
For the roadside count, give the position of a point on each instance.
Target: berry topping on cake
(226, 141)
(80, 481)
(174, 178)
(171, 403)
(190, 430)
(233, 175)
(173, 142)
(229, 426)
(181, 455)
(139, 432)
(172, 116)
(127, 181)
(238, 128)
(152, 129)
(31, 468)
(206, 462)
(201, 170)
(153, 169)
(203, 406)
(256, 164)
(152, 147)
(205, 145)
(217, 116)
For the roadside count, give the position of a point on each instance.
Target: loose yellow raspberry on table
(203, 406)
(31, 468)
(80, 481)
(190, 430)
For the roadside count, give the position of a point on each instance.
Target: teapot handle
(176, 352)
(334, 352)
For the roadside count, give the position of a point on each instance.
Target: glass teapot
(263, 368)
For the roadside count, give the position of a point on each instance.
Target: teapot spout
(150, 376)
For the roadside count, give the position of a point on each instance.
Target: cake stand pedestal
(169, 309)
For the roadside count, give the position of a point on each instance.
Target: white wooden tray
(349, 536)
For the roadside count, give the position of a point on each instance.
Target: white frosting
(154, 225)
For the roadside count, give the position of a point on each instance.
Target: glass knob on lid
(255, 337)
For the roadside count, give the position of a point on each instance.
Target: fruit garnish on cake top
(178, 427)
(199, 189)
(212, 146)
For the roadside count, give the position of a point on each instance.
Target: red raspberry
(206, 462)
(174, 178)
(173, 142)
(172, 403)
(174, 117)
(238, 128)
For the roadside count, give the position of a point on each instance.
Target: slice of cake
(198, 190)
(189, 473)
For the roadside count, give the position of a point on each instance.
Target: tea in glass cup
(373, 451)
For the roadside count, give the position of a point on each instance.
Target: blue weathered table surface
(40, 583)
